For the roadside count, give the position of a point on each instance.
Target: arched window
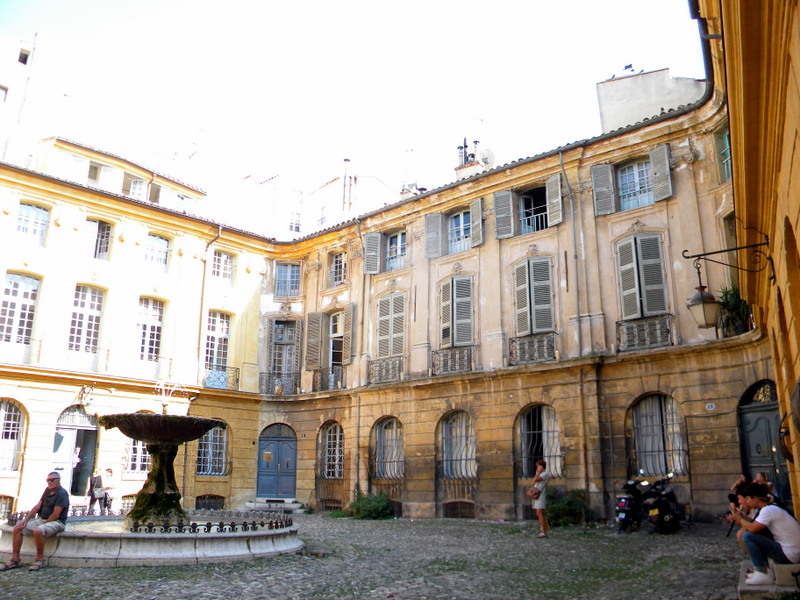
(658, 442)
(539, 440)
(388, 459)
(330, 457)
(11, 431)
(212, 452)
(459, 459)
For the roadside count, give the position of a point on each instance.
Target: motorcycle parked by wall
(630, 510)
(661, 506)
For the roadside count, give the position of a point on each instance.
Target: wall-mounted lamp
(702, 304)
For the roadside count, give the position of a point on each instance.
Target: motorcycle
(630, 510)
(661, 506)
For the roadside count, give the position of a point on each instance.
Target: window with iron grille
(459, 459)
(659, 444)
(287, 280)
(222, 266)
(87, 312)
(18, 308)
(539, 440)
(138, 459)
(331, 451)
(338, 269)
(102, 238)
(217, 340)
(151, 319)
(212, 452)
(388, 457)
(32, 221)
(11, 430)
(157, 251)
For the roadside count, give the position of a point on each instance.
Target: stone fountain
(158, 531)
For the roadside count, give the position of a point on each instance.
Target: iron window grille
(659, 444)
(459, 459)
(388, 459)
(539, 439)
(212, 452)
(331, 452)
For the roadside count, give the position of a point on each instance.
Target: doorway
(277, 462)
(74, 448)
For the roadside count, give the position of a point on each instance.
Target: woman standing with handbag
(96, 492)
(538, 496)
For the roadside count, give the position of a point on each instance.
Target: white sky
(292, 88)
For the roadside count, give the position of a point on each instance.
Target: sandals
(11, 564)
(37, 566)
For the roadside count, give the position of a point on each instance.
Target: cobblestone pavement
(428, 560)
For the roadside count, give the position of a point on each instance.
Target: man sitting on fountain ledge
(52, 510)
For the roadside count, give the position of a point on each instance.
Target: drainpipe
(574, 256)
(362, 334)
(202, 299)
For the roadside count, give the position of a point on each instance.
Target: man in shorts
(52, 518)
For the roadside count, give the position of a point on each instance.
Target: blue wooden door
(277, 467)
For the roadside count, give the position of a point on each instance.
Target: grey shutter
(398, 324)
(476, 222)
(603, 189)
(372, 252)
(270, 343)
(504, 221)
(651, 269)
(298, 336)
(555, 214)
(462, 310)
(662, 177)
(628, 279)
(314, 341)
(347, 335)
(522, 300)
(542, 295)
(446, 312)
(434, 228)
(384, 326)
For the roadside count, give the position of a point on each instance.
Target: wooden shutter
(651, 269)
(504, 218)
(662, 177)
(446, 312)
(434, 235)
(398, 324)
(384, 326)
(628, 279)
(298, 336)
(603, 189)
(270, 325)
(314, 341)
(462, 310)
(347, 335)
(542, 295)
(522, 300)
(476, 222)
(372, 253)
(555, 213)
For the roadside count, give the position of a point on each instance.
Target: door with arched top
(277, 462)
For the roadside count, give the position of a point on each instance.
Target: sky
(289, 90)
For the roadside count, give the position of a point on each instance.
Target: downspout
(202, 299)
(574, 256)
(362, 333)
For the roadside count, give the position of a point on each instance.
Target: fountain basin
(157, 429)
(103, 542)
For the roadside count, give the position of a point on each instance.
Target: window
(151, 319)
(384, 252)
(391, 325)
(722, 141)
(18, 308)
(388, 456)
(287, 280)
(86, 314)
(458, 447)
(331, 451)
(528, 211)
(539, 440)
(24, 55)
(222, 266)
(154, 197)
(659, 445)
(338, 269)
(533, 296)
(157, 252)
(212, 452)
(283, 362)
(102, 238)
(642, 282)
(217, 340)
(133, 186)
(11, 432)
(32, 221)
(634, 184)
(455, 311)
(138, 459)
(294, 222)
(454, 232)
(329, 347)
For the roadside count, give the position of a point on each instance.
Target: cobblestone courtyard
(428, 559)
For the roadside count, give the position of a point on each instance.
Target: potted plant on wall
(734, 314)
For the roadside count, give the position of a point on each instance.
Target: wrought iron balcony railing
(278, 384)
(452, 360)
(221, 378)
(329, 378)
(386, 370)
(649, 332)
(532, 349)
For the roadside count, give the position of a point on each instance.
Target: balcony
(387, 370)
(532, 223)
(452, 360)
(278, 384)
(329, 378)
(532, 349)
(221, 378)
(640, 334)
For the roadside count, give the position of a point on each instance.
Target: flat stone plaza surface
(446, 559)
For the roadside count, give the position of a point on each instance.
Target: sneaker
(758, 578)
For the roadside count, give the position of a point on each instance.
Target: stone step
(279, 506)
(783, 582)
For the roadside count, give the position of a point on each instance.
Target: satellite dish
(487, 158)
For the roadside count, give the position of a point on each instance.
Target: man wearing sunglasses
(52, 510)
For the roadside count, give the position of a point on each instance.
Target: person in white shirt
(784, 549)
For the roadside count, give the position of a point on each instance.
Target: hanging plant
(734, 311)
